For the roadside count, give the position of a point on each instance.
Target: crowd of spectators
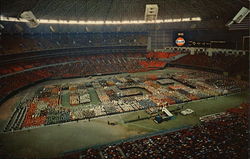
(223, 137)
(30, 120)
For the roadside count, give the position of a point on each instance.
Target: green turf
(51, 140)
(134, 115)
(93, 96)
(156, 72)
(144, 91)
(65, 100)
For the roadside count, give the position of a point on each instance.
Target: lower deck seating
(233, 64)
(161, 55)
(153, 64)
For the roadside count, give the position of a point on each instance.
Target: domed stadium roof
(122, 9)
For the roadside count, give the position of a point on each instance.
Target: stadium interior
(124, 79)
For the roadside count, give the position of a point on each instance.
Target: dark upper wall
(215, 38)
(19, 43)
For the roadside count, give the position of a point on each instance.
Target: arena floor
(56, 139)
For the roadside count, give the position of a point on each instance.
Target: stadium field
(51, 140)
